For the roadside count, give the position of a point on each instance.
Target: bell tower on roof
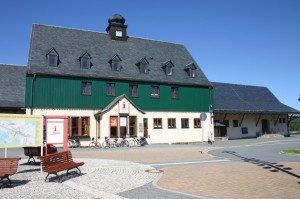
(116, 28)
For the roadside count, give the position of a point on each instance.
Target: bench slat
(8, 166)
(53, 163)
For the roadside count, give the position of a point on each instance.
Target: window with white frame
(157, 123)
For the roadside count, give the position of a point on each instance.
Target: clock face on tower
(119, 33)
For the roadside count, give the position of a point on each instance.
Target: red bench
(54, 163)
(36, 151)
(8, 167)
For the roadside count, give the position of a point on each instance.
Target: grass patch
(292, 151)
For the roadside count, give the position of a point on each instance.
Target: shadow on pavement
(272, 166)
(14, 183)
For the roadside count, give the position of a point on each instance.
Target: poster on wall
(113, 121)
(20, 130)
(123, 121)
(141, 127)
(55, 131)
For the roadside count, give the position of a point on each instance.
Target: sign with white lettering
(123, 121)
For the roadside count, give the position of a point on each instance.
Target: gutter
(31, 99)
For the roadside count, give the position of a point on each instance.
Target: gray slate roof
(71, 43)
(12, 86)
(247, 99)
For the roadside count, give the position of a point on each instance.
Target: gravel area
(100, 179)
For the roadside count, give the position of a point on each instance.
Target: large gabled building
(111, 84)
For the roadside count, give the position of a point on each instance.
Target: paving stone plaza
(187, 171)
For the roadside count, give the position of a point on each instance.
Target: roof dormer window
(169, 70)
(115, 63)
(191, 69)
(52, 58)
(168, 67)
(143, 65)
(85, 60)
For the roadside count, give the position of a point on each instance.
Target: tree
(295, 125)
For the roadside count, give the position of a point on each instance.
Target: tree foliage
(295, 125)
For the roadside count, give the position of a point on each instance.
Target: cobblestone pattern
(99, 179)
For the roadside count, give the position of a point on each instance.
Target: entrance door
(265, 126)
(132, 126)
(146, 127)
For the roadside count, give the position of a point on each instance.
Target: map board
(20, 130)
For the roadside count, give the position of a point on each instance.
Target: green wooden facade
(65, 93)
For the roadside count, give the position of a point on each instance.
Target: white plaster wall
(163, 135)
(166, 135)
(70, 113)
(250, 122)
(114, 111)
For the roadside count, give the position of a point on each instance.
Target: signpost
(203, 117)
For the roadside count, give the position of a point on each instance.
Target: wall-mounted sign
(123, 121)
(124, 106)
(55, 131)
(113, 121)
(203, 116)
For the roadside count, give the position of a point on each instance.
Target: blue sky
(251, 42)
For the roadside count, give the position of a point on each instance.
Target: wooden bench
(36, 151)
(54, 163)
(8, 167)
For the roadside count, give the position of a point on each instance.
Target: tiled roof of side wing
(12, 86)
(71, 43)
(244, 98)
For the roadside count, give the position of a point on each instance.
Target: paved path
(187, 173)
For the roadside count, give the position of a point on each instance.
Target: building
(110, 84)
(12, 89)
(243, 111)
(114, 85)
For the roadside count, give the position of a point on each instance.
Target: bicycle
(74, 143)
(137, 141)
(95, 144)
(124, 142)
(108, 143)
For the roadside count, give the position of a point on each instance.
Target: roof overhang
(255, 112)
(114, 102)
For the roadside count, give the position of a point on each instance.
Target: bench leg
(49, 174)
(31, 161)
(74, 168)
(7, 179)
